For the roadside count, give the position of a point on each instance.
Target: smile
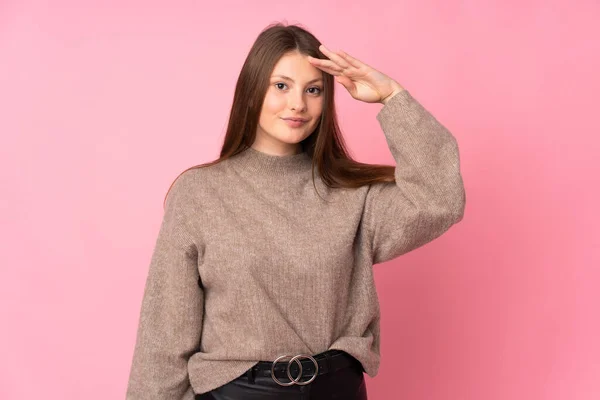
(294, 123)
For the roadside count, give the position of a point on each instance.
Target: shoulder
(183, 188)
(185, 181)
(194, 181)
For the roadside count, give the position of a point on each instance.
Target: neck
(257, 162)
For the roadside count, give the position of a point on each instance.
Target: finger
(330, 71)
(347, 84)
(328, 64)
(351, 60)
(334, 57)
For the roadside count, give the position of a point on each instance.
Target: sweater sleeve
(428, 196)
(171, 314)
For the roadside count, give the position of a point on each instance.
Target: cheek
(316, 108)
(273, 104)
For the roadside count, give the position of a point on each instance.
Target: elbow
(457, 205)
(449, 209)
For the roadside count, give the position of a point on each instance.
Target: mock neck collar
(264, 164)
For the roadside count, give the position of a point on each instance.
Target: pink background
(102, 104)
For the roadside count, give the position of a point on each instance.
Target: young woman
(261, 282)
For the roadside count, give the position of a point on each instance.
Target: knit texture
(282, 270)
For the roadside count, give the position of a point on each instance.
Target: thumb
(344, 81)
(347, 83)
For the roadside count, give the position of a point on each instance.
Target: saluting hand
(362, 81)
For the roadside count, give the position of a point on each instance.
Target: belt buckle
(295, 359)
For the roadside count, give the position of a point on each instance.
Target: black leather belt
(302, 369)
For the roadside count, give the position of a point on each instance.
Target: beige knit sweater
(282, 271)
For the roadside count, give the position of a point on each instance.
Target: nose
(297, 102)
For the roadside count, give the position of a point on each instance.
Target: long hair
(325, 144)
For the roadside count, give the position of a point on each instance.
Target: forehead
(297, 67)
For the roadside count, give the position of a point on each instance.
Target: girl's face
(295, 91)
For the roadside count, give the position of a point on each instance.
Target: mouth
(295, 122)
(295, 119)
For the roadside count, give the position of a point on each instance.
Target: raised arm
(428, 196)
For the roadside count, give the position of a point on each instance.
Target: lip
(295, 119)
(295, 122)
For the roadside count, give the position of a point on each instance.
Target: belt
(289, 370)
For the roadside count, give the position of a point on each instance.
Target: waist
(306, 366)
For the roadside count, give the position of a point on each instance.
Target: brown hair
(325, 145)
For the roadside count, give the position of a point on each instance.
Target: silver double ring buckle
(295, 381)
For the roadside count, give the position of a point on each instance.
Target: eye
(314, 87)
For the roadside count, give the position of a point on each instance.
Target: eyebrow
(290, 79)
